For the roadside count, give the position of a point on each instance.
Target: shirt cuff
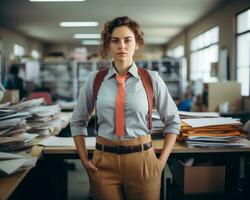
(79, 131)
(174, 130)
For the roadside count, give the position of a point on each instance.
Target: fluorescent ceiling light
(78, 24)
(90, 42)
(87, 36)
(56, 0)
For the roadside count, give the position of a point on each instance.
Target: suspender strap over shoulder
(98, 81)
(147, 84)
(96, 86)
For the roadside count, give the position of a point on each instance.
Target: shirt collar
(132, 70)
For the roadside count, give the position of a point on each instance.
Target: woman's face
(122, 44)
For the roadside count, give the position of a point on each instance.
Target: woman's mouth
(121, 53)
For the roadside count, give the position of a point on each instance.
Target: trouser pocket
(152, 167)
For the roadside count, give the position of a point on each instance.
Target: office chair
(45, 95)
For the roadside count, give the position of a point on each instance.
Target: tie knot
(121, 79)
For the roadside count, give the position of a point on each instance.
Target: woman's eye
(127, 41)
(114, 41)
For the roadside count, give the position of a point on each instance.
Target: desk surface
(9, 183)
(179, 148)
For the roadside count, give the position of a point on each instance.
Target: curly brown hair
(109, 26)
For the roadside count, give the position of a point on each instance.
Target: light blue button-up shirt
(136, 106)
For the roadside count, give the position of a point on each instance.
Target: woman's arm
(169, 141)
(80, 119)
(83, 154)
(169, 115)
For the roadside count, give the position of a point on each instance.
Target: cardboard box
(221, 92)
(10, 96)
(199, 179)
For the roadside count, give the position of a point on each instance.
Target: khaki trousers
(133, 176)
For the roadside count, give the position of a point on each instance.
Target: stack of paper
(13, 122)
(188, 115)
(8, 144)
(26, 117)
(11, 163)
(13, 117)
(211, 132)
(68, 106)
(27, 104)
(4, 105)
(44, 119)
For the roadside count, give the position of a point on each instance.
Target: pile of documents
(11, 163)
(13, 123)
(39, 119)
(14, 143)
(67, 106)
(211, 132)
(158, 125)
(13, 127)
(27, 105)
(188, 115)
(18, 120)
(44, 119)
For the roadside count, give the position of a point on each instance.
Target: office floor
(78, 185)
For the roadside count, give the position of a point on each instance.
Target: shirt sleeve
(165, 105)
(84, 108)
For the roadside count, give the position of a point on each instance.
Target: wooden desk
(229, 156)
(8, 184)
(179, 148)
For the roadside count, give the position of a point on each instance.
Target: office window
(35, 54)
(18, 50)
(204, 51)
(177, 52)
(243, 51)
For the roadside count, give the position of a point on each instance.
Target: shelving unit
(83, 70)
(58, 77)
(65, 79)
(170, 69)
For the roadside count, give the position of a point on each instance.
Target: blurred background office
(200, 48)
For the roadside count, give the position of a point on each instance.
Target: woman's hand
(81, 149)
(89, 166)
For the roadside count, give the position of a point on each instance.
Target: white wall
(9, 38)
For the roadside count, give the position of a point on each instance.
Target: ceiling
(160, 19)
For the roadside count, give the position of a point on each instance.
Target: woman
(124, 164)
(14, 82)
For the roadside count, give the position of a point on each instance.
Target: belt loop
(142, 147)
(102, 147)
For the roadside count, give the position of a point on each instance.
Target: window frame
(172, 50)
(236, 43)
(204, 47)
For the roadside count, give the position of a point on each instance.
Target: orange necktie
(119, 109)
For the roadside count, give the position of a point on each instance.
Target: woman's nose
(121, 44)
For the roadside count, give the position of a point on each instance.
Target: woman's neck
(122, 67)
